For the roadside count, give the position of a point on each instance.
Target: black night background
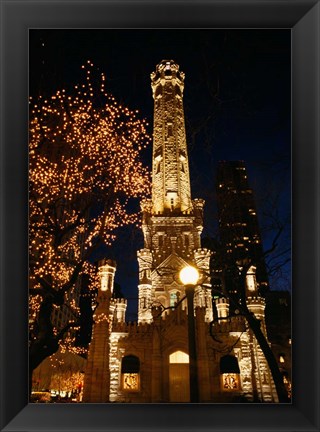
(237, 102)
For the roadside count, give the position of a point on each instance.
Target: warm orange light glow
(84, 168)
(189, 275)
(230, 381)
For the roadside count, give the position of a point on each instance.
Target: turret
(107, 269)
(222, 305)
(170, 167)
(97, 369)
(251, 281)
(145, 286)
(121, 307)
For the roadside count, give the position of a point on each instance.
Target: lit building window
(130, 381)
(289, 341)
(178, 357)
(281, 358)
(130, 373)
(229, 373)
(230, 381)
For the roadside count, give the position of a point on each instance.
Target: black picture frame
(17, 18)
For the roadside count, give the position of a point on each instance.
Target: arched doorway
(179, 389)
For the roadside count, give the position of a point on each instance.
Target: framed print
(110, 334)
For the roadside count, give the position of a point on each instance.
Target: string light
(84, 166)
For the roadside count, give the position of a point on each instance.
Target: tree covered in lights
(84, 170)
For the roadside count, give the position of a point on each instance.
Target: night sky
(237, 103)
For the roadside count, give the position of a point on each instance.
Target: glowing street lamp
(189, 276)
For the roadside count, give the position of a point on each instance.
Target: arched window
(178, 357)
(230, 373)
(130, 373)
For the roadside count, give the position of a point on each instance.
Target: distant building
(149, 360)
(238, 221)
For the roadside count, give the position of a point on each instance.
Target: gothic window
(230, 373)
(173, 299)
(186, 240)
(230, 381)
(130, 373)
(143, 303)
(170, 131)
(160, 241)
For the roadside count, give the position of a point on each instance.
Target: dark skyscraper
(238, 222)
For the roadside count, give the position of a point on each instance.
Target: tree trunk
(254, 324)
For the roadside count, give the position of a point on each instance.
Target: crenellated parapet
(256, 304)
(202, 260)
(119, 327)
(235, 324)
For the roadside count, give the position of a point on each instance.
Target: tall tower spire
(172, 222)
(170, 169)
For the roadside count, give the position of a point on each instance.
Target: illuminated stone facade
(172, 222)
(148, 361)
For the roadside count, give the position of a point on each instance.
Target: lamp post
(189, 277)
